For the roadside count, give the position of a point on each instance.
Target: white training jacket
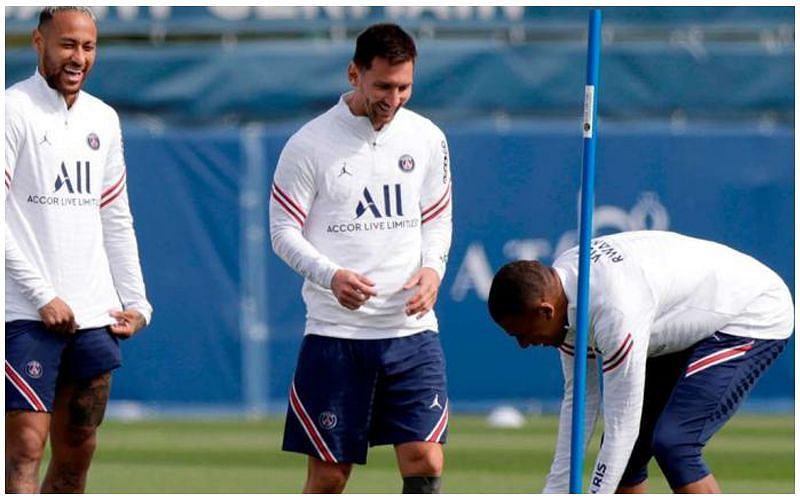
(376, 202)
(69, 230)
(653, 293)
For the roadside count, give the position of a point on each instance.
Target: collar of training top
(51, 95)
(362, 124)
(569, 282)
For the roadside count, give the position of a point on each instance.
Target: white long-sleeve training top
(376, 202)
(69, 229)
(653, 293)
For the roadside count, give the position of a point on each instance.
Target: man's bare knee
(420, 459)
(27, 445)
(69, 465)
(80, 407)
(81, 437)
(23, 458)
(326, 477)
(26, 436)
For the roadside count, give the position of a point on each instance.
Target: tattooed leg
(79, 410)
(26, 435)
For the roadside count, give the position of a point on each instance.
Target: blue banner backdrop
(515, 196)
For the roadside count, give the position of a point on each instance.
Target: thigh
(80, 405)
(33, 362)
(662, 373)
(720, 373)
(411, 401)
(89, 353)
(330, 400)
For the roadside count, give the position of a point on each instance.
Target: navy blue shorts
(36, 359)
(349, 394)
(688, 397)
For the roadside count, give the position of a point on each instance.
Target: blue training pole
(586, 210)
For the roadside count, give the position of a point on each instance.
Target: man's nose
(393, 99)
(78, 56)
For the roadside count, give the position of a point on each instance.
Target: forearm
(622, 414)
(36, 288)
(558, 478)
(123, 258)
(611, 461)
(437, 234)
(290, 245)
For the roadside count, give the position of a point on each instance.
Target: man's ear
(37, 40)
(546, 309)
(352, 74)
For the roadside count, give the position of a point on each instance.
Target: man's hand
(58, 317)
(128, 323)
(351, 289)
(428, 282)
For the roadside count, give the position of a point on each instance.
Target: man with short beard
(74, 285)
(361, 208)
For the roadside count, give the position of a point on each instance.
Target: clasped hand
(353, 290)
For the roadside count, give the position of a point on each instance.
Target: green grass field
(752, 454)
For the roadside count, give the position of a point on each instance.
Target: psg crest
(327, 420)
(33, 369)
(93, 141)
(406, 163)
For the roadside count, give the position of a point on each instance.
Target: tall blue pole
(586, 211)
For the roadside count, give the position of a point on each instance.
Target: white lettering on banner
(444, 13)
(124, 12)
(336, 12)
(127, 12)
(649, 206)
(475, 272)
(160, 11)
(307, 12)
(527, 249)
(236, 13)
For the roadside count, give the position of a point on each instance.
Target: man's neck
(69, 100)
(357, 108)
(355, 105)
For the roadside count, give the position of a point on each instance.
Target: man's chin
(67, 89)
(71, 88)
(379, 122)
(379, 118)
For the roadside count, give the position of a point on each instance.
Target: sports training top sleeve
(15, 139)
(293, 191)
(33, 284)
(558, 478)
(622, 337)
(437, 207)
(119, 237)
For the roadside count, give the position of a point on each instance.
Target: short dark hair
(516, 285)
(387, 41)
(47, 13)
